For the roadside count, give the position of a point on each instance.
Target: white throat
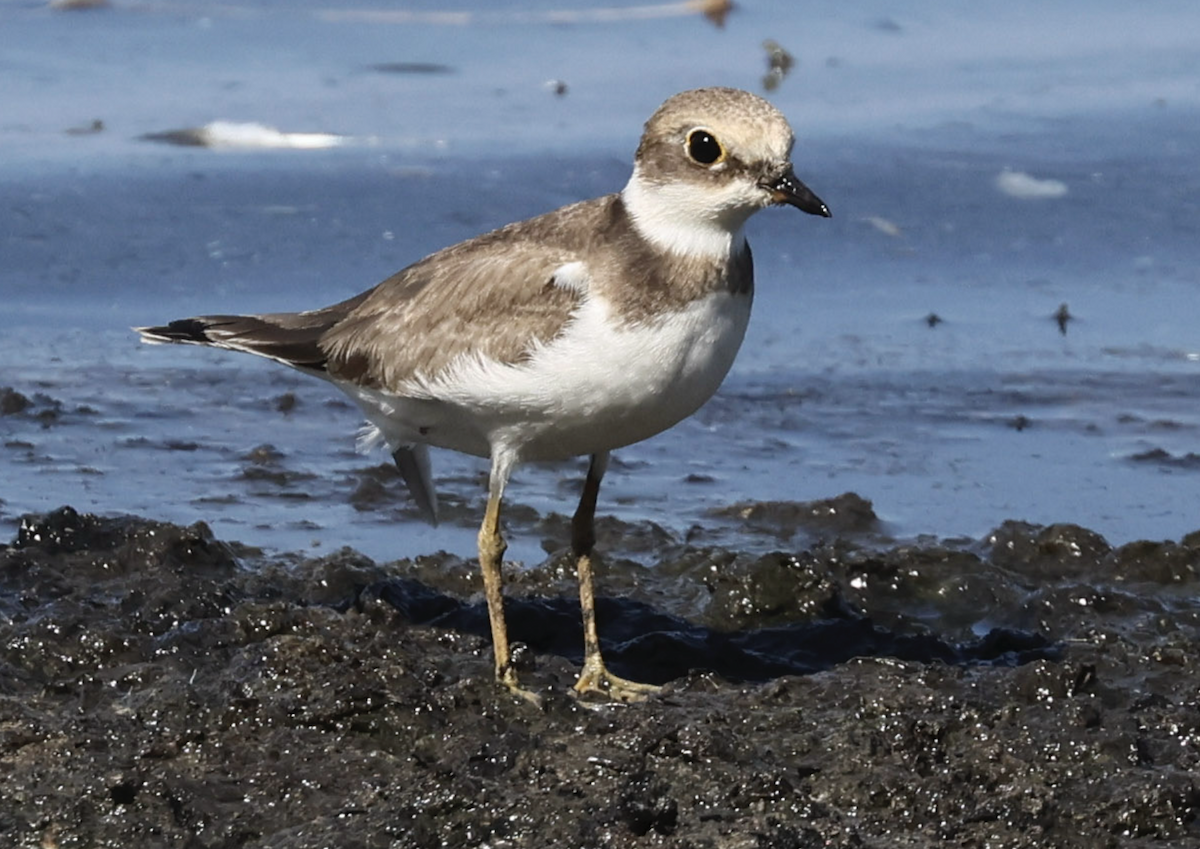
(686, 219)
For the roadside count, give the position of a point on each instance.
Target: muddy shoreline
(159, 687)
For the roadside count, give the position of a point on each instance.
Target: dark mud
(1037, 688)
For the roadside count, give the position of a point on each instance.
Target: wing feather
(494, 297)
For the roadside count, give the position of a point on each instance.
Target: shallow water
(905, 123)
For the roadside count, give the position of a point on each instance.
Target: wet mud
(159, 687)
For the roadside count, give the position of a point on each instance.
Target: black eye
(703, 148)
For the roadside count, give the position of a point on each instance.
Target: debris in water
(77, 5)
(779, 63)
(1024, 186)
(1063, 316)
(411, 68)
(96, 126)
(232, 134)
(888, 228)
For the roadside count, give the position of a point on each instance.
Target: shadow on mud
(645, 644)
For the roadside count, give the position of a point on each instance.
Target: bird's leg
(594, 677)
(491, 552)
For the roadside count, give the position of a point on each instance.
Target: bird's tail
(288, 338)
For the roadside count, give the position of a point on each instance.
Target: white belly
(597, 387)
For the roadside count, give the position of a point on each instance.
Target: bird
(573, 333)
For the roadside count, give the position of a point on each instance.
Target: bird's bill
(788, 189)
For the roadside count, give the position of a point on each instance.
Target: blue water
(905, 119)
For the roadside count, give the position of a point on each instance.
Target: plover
(571, 334)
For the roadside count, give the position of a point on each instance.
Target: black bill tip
(789, 190)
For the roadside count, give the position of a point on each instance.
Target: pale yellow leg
(594, 677)
(491, 552)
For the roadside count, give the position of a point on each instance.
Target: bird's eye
(703, 147)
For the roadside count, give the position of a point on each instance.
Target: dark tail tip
(181, 330)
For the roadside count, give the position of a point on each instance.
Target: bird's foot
(508, 679)
(595, 678)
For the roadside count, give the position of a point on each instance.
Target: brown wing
(493, 296)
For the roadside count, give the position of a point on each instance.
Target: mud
(159, 687)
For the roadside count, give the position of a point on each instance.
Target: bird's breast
(604, 384)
